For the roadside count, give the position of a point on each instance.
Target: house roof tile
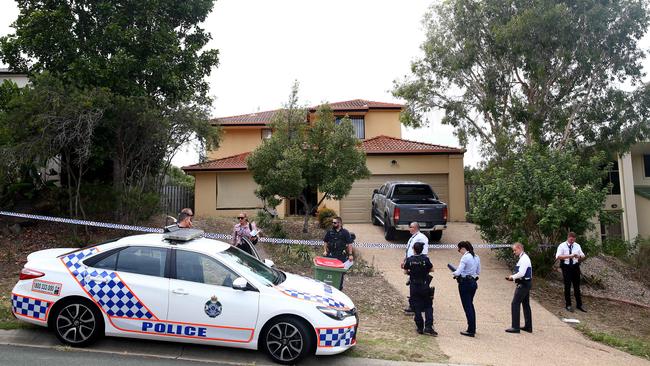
(235, 162)
(264, 118)
(391, 145)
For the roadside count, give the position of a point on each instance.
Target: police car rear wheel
(78, 324)
(287, 341)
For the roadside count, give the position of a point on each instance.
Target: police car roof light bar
(183, 234)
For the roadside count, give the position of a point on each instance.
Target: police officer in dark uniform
(418, 267)
(338, 243)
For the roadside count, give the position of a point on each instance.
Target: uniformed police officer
(338, 243)
(418, 267)
(523, 276)
(570, 255)
(467, 274)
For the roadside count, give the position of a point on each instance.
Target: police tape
(219, 236)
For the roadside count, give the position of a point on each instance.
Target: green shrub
(616, 247)
(642, 258)
(263, 219)
(325, 217)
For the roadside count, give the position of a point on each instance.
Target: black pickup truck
(396, 204)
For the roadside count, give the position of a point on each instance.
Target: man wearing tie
(523, 275)
(570, 255)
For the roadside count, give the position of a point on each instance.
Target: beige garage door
(355, 207)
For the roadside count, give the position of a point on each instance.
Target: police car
(182, 287)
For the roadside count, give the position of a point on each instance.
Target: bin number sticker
(46, 287)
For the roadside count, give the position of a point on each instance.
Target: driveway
(552, 343)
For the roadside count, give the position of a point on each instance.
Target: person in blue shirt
(467, 274)
(523, 276)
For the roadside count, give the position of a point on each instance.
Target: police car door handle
(96, 279)
(180, 291)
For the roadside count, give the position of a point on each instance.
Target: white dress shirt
(522, 268)
(417, 237)
(563, 249)
(469, 266)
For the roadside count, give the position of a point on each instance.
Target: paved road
(552, 343)
(30, 356)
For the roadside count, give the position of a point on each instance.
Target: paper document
(348, 264)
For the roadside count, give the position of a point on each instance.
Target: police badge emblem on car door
(213, 307)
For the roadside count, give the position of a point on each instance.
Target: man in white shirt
(523, 276)
(570, 255)
(416, 237)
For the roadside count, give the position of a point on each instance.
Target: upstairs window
(646, 165)
(359, 126)
(266, 133)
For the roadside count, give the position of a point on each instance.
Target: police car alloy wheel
(77, 324)
(287, 341)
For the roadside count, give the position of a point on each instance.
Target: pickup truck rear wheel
(373, 218)
(389, 232)
(435, 235)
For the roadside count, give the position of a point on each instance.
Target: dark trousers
(571, 276)
(467, 290)
(420, 302)
(522, 299)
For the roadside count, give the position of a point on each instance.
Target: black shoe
(581, 309)
(512, 330)
(569, 309)
(431, 332)
(529, 330)
(467, 334)
(419, 331)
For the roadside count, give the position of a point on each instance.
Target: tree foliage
(143, 61)
(518, 73)
(300, 157)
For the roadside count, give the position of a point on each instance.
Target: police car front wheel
(287, 340)
(78, 323)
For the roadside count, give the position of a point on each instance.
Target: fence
(174, 198)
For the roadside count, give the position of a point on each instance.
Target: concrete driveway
(552, 343)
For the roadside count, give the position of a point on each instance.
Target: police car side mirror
(240, 284)
(269, 263)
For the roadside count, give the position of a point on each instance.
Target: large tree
(545, 86)
(301, 158)
(149, 59)
(516, 73)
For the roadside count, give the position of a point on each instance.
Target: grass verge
(634, 346)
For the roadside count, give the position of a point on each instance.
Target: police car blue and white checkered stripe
(328, 301)
(30, 307)
(335, 337)
(106, 288)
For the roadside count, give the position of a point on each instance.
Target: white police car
(200, 290)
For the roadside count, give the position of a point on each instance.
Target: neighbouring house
(224, 186)
(630, 195)
(19, 78)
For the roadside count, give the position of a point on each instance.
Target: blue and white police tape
(228, 236)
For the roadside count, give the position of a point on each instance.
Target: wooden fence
(174, 198)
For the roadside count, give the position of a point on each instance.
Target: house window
(612, 230)
(359, 126)
(266, 133)
(646, 165)
(613, 178)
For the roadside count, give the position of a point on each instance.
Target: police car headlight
(335, 313)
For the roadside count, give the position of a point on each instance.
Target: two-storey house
(224, 186)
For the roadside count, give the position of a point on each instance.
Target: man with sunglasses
(338, 243)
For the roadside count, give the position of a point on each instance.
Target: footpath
(553, 342)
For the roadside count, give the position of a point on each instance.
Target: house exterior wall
(378, 122)
(237, 140)
(643, 216)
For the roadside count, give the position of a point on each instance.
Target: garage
(355, 207)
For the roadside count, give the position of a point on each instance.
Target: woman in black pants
(467, 274)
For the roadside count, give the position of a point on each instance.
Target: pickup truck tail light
(396, 214)
(28, 274)
(444, 213)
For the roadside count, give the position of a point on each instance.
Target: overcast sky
(337, 49)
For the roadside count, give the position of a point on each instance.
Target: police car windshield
(250, 266)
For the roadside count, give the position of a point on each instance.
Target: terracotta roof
(235, 162)
(391, 145)
(264, 118)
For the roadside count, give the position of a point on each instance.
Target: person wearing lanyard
(416, 237)
(523, 275)
(467, 274)
(570, 255)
